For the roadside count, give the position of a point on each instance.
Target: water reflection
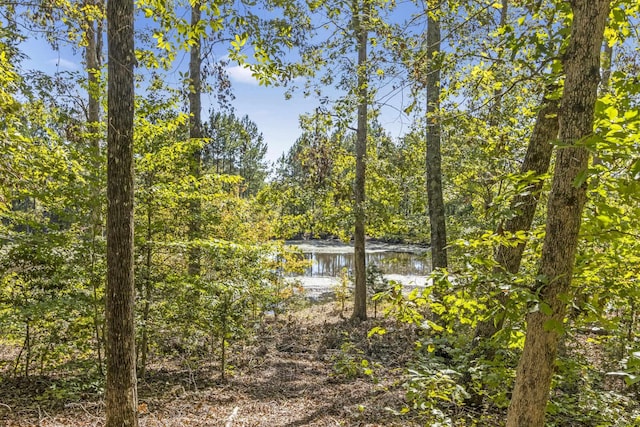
(331, 264)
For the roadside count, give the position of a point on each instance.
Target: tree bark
(433, 157)
(195, 132)
(121, 388)
(360, 299)
(564, 211)
(536, 160)
(92, 59)
(148, 290)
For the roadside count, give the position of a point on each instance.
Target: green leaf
(581, 177)
(239, 41)
(605, 220)
(611, 112)
(376, 330)
(629, 379)
(554, 325)
(545, 308)
(435, 326)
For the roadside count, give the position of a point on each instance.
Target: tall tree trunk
(360, 299)
(121, 391)
(564, 211)
(148, 290)
(536, 160)
(195, 132)
(433, 159)
(92, 58)
(604, 88)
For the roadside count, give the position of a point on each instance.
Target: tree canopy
(503, 135)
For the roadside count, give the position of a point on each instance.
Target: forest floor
(303, 369)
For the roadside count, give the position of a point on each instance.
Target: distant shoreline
(372, 246)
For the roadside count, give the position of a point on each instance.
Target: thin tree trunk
(96, 310)
(27, 346)
(16, 364)
(144, 345)
(92, 58)
(536, 160)
(564, 211)
(433, 158)
(604, 88)
(360, 297)
(223, 349)
(121, 388)
(195, 132)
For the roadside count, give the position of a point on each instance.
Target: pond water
(406, 264)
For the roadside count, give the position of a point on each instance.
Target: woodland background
(479, 83)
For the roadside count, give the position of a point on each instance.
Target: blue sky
(276, 117)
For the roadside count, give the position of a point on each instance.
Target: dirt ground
(294, 374)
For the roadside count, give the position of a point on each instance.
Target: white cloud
(241, 74)
(63, 63)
